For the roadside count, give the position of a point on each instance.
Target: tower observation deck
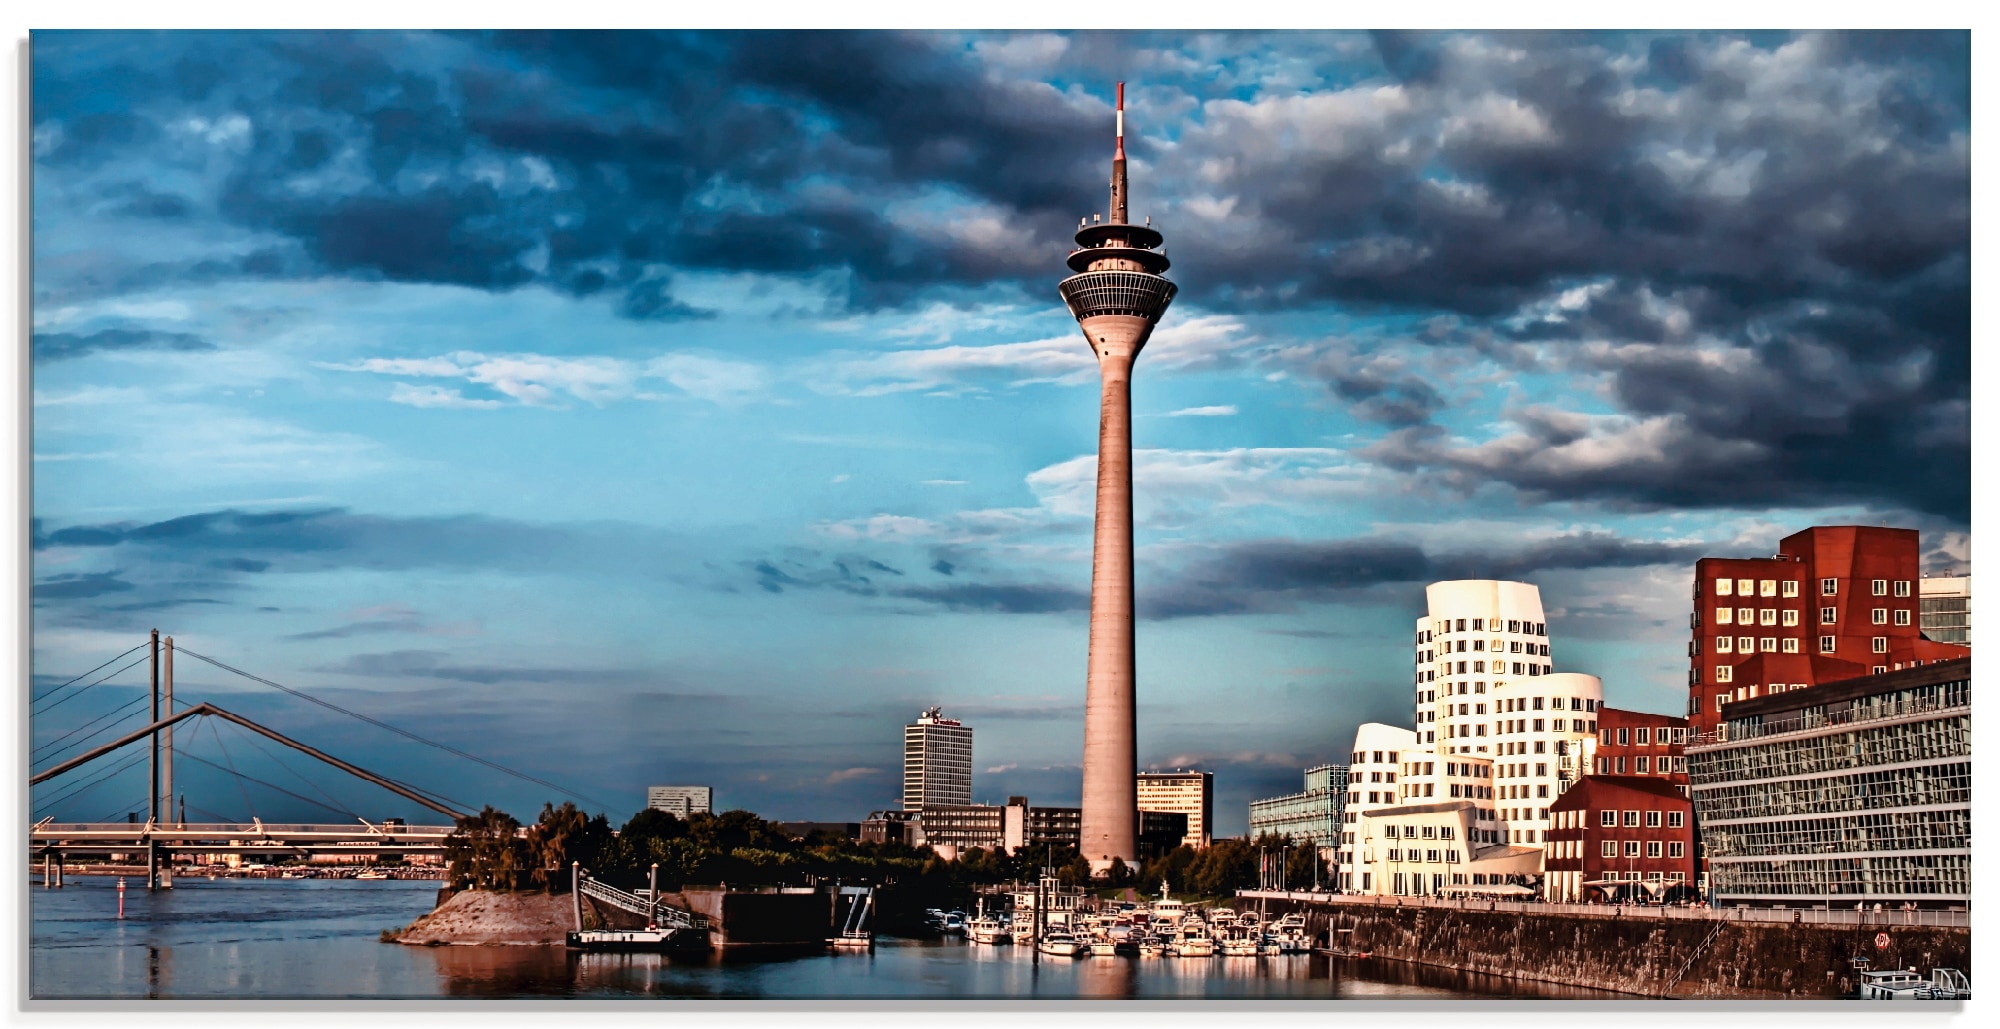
(1118, 294)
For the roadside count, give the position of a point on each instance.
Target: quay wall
(1632, 952)
(760, 921)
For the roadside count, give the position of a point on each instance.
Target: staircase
(1693, 957)
(660, 913)
(854, 928)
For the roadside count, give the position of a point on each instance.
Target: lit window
(1829, 587)
(1879, 587)
(1745, 587)
(1826, 644)
(1767, 588)
(1881, 645)
(1725, 587)
(1723, 672)
(1725, 616)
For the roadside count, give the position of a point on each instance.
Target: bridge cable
(135, 701)
(217, 734)
(276, 760)
(99, 682)
(51, 691)
(274, 786)
(405, 733)
(81, 788)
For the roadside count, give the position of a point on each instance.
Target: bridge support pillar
(576, 891)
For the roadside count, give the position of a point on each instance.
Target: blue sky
(697, 407)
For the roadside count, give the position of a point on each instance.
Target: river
(287, 939)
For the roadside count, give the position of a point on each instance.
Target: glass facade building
(1944, 610)
(1849, 792)
(1313, 814)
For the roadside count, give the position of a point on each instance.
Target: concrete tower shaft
(1117, 295)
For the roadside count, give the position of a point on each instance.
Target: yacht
(988, 931)
(371, 874)
(1059, 944)
(1152, 947)
(1270, 946)
(1239, 945)
(1103, 947)
(1195, 942)
(1167, 909)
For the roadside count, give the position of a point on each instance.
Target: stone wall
(1633, 953)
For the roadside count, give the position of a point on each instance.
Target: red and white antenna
(1121, 121)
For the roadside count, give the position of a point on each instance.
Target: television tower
(1117, 294)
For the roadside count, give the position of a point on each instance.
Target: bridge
(163, 833)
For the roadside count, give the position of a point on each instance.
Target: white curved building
(1374, 773)
(1478, 635)
(1539, 732)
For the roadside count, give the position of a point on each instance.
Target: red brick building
(1638, 743)
(1837, 602)
(1619, 837)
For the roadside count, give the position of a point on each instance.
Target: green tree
(485, 851)
(562, 835)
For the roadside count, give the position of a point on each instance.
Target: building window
(1607, 818)
(1879, 587)
(1790, 645)
(1725, 587)
(1770, 645)
(1746, 644)
(1790, 617)
(1826, 644)
(1767, 616)
(1745, 587)
(1829, 587)
(1652, 848)
(1767, 588)
(1827, 615)
(1632, 819)
(1652, 818)
(1675, 849)
(1721, 699)
(1878, 616)
(1902, 616)
(1902, 587)
(1610, 849)
(1881, 645)
(1790, 588)
(1878, 669)
(1725, 644)
(1631, 848)
(1722, 672)
(1725, 616)
(1744, 615)
(1639, 765)
(1673, 819)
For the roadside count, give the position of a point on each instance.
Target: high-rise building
(937, 761)
(1182, 792)
(1944, 610)
(1858, 791)
(1311, 814)
(1117, 293)
(1477, 636)
(1378, 756)
(680, 801)
(1837, 602)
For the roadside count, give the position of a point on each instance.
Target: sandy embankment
(480, 918)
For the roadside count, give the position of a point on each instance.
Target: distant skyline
(698, 407)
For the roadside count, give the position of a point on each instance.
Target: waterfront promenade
(1831, 916)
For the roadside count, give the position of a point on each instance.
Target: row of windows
(1644, 735)
(1434, 857)
(1641, 765)
(1751, 616)
(1479, 668)
(1767, 587)
(1949, 829)
(1921, 874)
(1931, 739)
(1361, 757)
(1923, 786)
(1610, 848)
(1479, 647)
(1443, 625)
(1609, 818)
(1411, 832)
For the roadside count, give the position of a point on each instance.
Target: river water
(284, 939)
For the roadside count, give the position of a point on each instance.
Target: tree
(485, 851)
(563, 835)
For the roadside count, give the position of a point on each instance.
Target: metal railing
(638, 905)
(1802, 916)
(1845, 716)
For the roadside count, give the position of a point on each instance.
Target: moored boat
(1058, 943)
(1893, 984)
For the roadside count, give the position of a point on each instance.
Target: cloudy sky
(637, 409)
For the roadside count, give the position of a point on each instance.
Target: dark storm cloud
(1800, 200)
(57, 346)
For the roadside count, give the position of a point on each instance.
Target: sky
(629, 408)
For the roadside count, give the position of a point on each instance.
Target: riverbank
(479, 918)
(1638, 954)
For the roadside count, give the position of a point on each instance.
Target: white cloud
(435, 396)
(1213, 411)
(712, 379)
(1186, 344)
(539, 380)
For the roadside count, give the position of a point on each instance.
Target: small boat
(1152, 947)
(988, 931)
(652, 939)
(1893, 984)
(1239, 946)
(1103, 947)
(1058, 944)
(1195, 944)
(371, 874)
(1269, 946)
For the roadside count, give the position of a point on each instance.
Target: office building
(1428, 849)
(1836, 602)
(1377, 758)
(937, 761)
(1313, 814)
(1181, 792)
(1640, 743)
(1855, 791)
(680, 801)
(1117, 292)
(902, 827)
(1620, 838)
(1944, 611)
(962, 827)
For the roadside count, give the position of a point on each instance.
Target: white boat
(1152, 947)
(371, 874)
(1270, 946)
(1893, 984)
(1059, 944)
(1950, 984)
(1195, 944)
(1239, 946)
(1103, 947)
(988, 931)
